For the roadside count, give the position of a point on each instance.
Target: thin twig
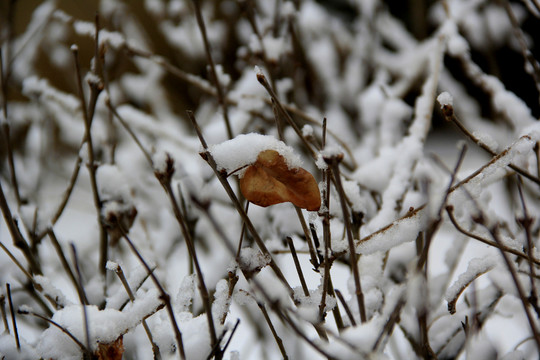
(297, 265)
(67, 268)
(346, 307)
(300, 333)
(435, 224)
(13, 319)
(3, 312)
(130, 131)
(519, 288)
(165, 181)
(452, 302)
(279, 342)
(17, 262)
(450, 212)
(242, 234)
(215, 78)
(6, 131)
(92, 164)
(17, 238)
(315, 257)
(249, 9)
(526, 221)
(164, 296)
(262, 80)
(123, 280)
(67, 193)
(392, 321)
(450, 115)
(307, 234)
(81, 292)
(537, 155)
(527, 54)
(334, 163)
(327, 175)
(231, 336)
(84, 349)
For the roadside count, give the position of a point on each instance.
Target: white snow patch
(445, 99)
(243, 150)
(476, 267)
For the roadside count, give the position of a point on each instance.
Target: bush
(269, 179)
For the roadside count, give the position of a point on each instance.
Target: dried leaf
(269, 181)
(111, 351)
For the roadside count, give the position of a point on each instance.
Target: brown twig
(215, 78)
(297, 265)
(278, 340)
(391, 323)
(327, 173)
(526, 221)
(67, 193)
(333, 162)
(123, 280)
(92, 164)
(165, 181)
(275, 305)
(346, 307)
(164, 296)
(300, 333)
(519, 287)
(449, 115)
(527, 54)
(13, 319)
(81, 292)
(3, 313)
(17, 238)
(87, 353)
(249, 8)
(231, 336)
(262, 80)
(67, 268)
(450, 212)
(452, 302)
(130, 131)
(6, 132)
(435, 224)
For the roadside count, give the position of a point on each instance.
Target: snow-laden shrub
(125, 141)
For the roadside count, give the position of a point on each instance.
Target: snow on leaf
(231, 155)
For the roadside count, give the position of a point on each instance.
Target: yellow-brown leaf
(269, 181)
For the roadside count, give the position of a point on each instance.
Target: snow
(42, 89)
(112, 266)
(252, 259)
(476, 267)
(224, 79)
(400, 231)
(372, 78)
(243, 150)
(307, 130)
(105, 326)
(51, 290)
(8, 348)
(445, 98)
(274, 47)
